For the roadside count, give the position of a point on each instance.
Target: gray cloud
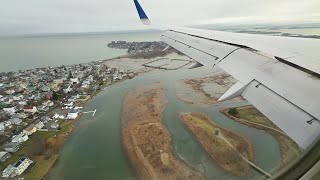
(47, 16)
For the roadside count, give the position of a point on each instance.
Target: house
(17, 168)
(17, 97)
(30, 109)
(4, 156)
(48, 103)
(20, 115)
(12, 147)
(73, 114)
(45, 88)
(22, 103)
(8, 101)
(15, 121)
(2, 127)
(74, 80)
(30, 130)
(39, 125)
(43, 108)
(45, 119)
(68, 104)
(20, 138)
(54, 125)
(10, 92)
(11, 111)
(67, 90)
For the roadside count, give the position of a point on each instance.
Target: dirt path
(146, 140)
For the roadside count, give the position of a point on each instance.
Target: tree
(55, 96)
(233, 111)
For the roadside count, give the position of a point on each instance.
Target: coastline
(120, 62)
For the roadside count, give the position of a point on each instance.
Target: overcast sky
(61, 16)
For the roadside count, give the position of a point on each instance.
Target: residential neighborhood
(40, 99)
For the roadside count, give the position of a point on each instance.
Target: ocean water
(20, 53)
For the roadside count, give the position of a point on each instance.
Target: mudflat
(145, 139)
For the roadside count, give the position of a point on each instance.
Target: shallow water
(93, 150)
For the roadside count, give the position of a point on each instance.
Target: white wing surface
(279, 75)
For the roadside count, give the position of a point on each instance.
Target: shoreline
(289, 150)
(139, 71)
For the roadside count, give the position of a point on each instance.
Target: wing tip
(143, 16)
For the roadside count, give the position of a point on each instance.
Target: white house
(4, 156)
(17, 168)
(20, 138)
(15, 121)
(20, 115)
(17, 97)
(73, 114)
(48, 103)
(74, 80)
(68, 104)
(8, 101)
(67, 90)
(11, 111)
(2, 127)
(12, 147)
(22, 103)
(54, 125)
(10, 92)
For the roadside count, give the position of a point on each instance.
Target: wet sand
(145, 139)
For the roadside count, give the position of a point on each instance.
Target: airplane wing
(280, 76)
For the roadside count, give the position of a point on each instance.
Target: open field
(217, 148)
(250, 116)
(145, 139)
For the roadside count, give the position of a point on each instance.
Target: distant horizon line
(208, 26)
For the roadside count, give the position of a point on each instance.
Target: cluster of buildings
(33, 100)
(138, 47)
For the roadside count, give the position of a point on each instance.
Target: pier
(93, 112)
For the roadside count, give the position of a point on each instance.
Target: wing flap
(287, 116)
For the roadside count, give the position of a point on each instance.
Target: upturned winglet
(143, 16)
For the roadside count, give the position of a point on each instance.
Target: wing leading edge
(278, 75)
